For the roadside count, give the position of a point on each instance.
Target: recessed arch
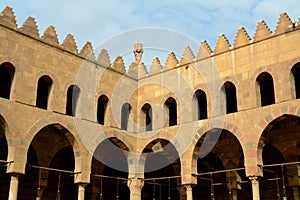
(125, 114)
(201, 98)
(217, 150)
(146, 117)
(109, 160)
(52, 147)
(295, 71)
(161, 159)
(102, 108)
(4, 177)
(7, 72)
(229, 90)
(72, 100)
(265, 89)
(171, 111)
(43, 92)
(279, 144)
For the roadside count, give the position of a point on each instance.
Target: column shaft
(13, 189)
(81, 189)
(255, 188)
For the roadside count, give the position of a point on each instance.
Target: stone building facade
(223, 124)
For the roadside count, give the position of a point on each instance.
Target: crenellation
(69, 44)
(187, 56)
(30, 28)
(155, 67)
(104, 59)
(242, 38)
(171, 61)
(284, 23)
(87, 51)
(222, 44)
(119, 65)
(50, 36)
(8, 18)
(204, 50)
(262, 31)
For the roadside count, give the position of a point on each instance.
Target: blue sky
(99, 20)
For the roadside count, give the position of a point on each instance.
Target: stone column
(13, 189)
(135, 186)
(81, 189)
(255, 188)
(234, 194)
(189, 192)
(296, 193)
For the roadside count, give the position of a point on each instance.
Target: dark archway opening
(7, 72)
(72, 99)
(202, 104)
(125, 113)
(4, 177)
(43, 92)
(266, 89)
(50, 148)
(220, 150)
(171, 106)
(296, 74)
(101, 110)
(162, 161)
(230, 93)
(147, 116)
(109, 171)
(280, 146)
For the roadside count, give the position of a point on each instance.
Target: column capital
(189, 187)
(135, 183)
(253, 178)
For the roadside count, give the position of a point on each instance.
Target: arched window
(72, 99)
(147, 116)
(202, 104)
(171, 106)
(125, 115)
(266, 89)
(101, 109)
(43, 92)
(296, 74)
(7, 72)
(230, 93)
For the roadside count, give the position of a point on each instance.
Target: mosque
(223, 123)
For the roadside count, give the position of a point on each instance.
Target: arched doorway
(279, 143)
(162, 171)
(109, 171)
(4, 177)
(50, 165)
(220, 164)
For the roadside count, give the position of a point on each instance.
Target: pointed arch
(296, 77)
(43, 92)
(171, 108)
(101, 108)
(200, 95)
(265, 89)
(125, 112)
(229, 90)
(146, 117)
(7, 72)
(72, 99)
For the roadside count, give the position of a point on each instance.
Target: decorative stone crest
(138, 52)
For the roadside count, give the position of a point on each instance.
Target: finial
(138, 52)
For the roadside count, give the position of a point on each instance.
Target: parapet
(262, 32)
